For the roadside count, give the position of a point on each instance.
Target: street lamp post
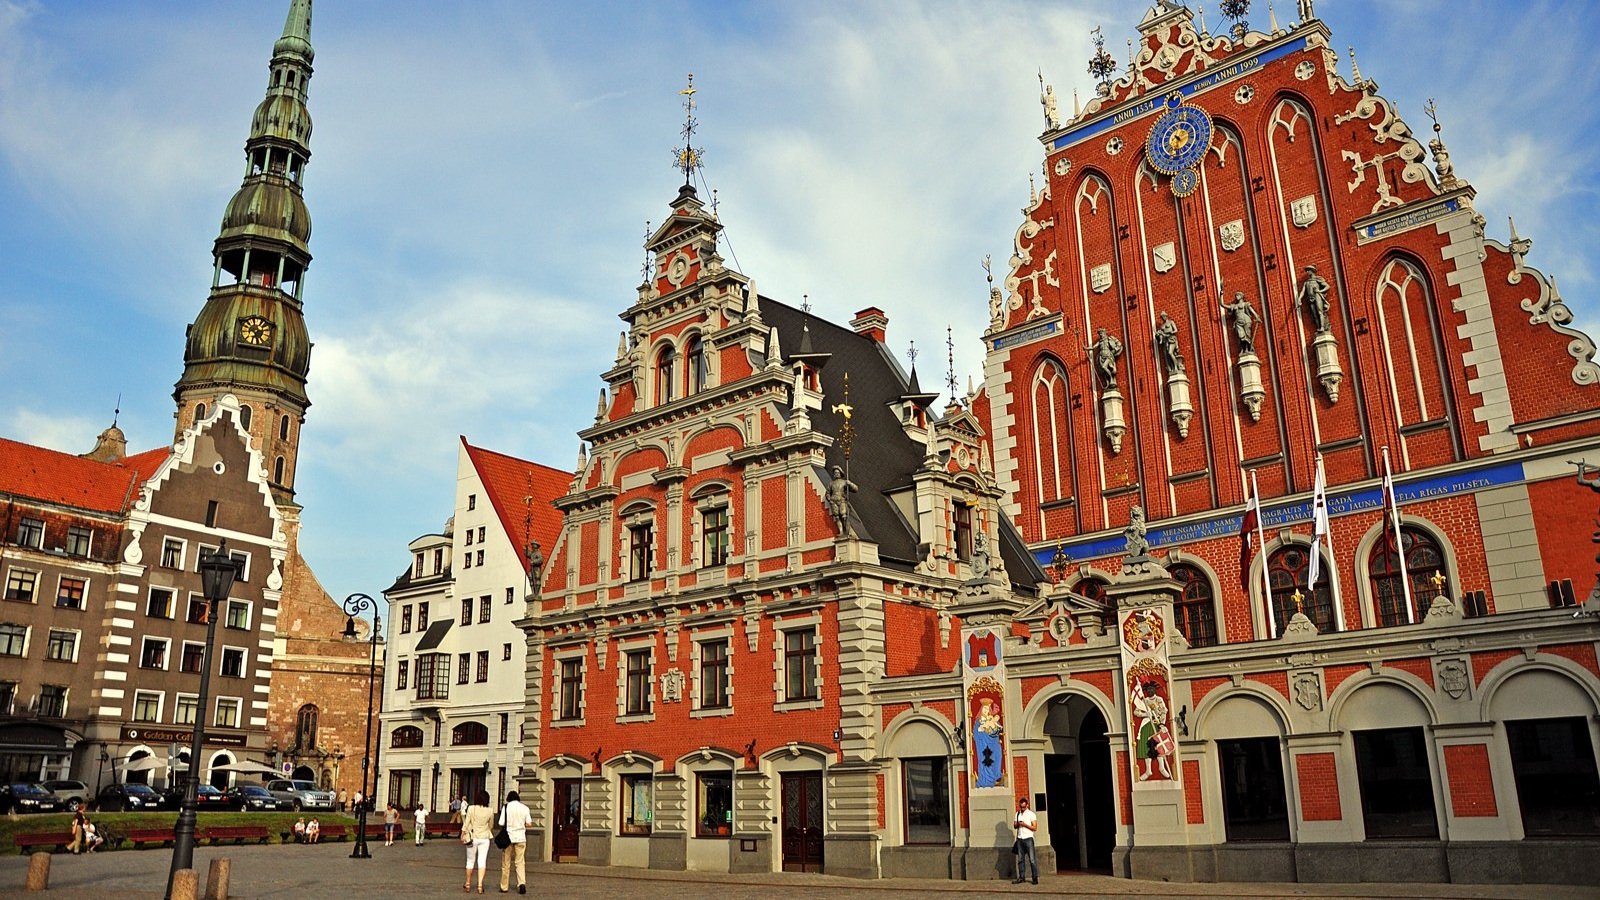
(354, 605)
(217, 573)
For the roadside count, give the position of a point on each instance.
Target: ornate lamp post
(217, 573)
(354, 605)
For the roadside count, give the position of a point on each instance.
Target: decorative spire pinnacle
(1101, 64)
(1077, 107)
(296, 37)
(1272, 19)
(646, 270)
(950, 362)
(1441, 157)
(1200, 12)
(688, 157)
(1355, 69)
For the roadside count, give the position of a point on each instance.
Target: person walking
(78, 821)
(456, 803)
(344, 799)
(516, 819)
(391, 824)
(421, 816)
(477, 830)
(1025, 824)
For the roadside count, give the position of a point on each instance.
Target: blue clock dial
(1178, 139)
(1185, 182)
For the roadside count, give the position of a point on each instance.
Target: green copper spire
(250, 337)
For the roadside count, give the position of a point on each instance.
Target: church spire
(250, 337)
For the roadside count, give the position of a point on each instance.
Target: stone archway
(1081, 802)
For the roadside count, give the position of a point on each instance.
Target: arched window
(1092, 589)
(244, 417)
(406, 736)
(666, 374)
(1196, 609)
(199, 412)
(305, 728)
(1287, 570)
(698, 365)
(277, 471)
(1424, 567)
(283, 428)
(469, 734)
(1413, 351)
(1052, 453)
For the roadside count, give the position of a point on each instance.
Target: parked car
(125, 797)
(27, 798)
(205, 797)
(253, 798)
(71, 793)
(302, 794)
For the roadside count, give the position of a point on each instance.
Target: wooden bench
(162, 836)
(51, 840)
(444, 829)
(375, 831)
(332, 832)
(236, 833)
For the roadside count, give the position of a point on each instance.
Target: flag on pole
(1391, 524)
(1319, 525)
(1247, 539)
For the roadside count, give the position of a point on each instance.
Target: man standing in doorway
(1025, 824)
(516, 818)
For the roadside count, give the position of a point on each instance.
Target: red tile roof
(508, 481)
(50, 476)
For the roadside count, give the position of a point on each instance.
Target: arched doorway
(1081, 809)
(304, 773)
(221, 780)
(138, 773)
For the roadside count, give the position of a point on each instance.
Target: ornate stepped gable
(1277, 163)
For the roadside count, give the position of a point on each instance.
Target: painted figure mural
(984, 683)
(1148, 679)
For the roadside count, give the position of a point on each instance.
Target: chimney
(871, 322)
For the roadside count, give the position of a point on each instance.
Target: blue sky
(482, 172)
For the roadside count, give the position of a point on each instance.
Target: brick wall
(1319, 787)
(1471, 787)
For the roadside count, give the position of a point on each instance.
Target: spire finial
(649, 265)
(1101, 64)
(911, 354)
(116, 413)
(847, 431)
(950, 361)
(1355, 70)
(1441, 156)
(1272, 19)
(689, 157)
(296, 37)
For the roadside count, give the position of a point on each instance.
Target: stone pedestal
(1112, 422)
(1326, 350)
(1179, 405)
(39, 873)
(1251, 390)
(217, 877)
(185, 883)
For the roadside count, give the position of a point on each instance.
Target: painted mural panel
(983, 687)
(1147, 674)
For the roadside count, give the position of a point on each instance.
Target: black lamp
(354, 605)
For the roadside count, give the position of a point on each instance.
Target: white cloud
(50, 428)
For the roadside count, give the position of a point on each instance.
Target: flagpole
(1391, 505)
(1333, 561)
(1261, 550)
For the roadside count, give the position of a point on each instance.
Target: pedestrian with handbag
(512, 839)
(477, 830)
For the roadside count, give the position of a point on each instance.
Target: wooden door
(802, 822)
(566, 815)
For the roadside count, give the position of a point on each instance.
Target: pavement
(435, 870)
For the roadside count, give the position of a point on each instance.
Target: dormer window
(698, 366)
(666, 374)
(641, 546)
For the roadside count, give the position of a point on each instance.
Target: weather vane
(1101, 65)
(912, 355)
(689, 157)
(649, 265)
(950, 352)
(847, 432)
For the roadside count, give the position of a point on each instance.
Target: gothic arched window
(1288, 569)
(1424, 567)
(305, 727)
(1196, 609)
(469, 734)
(697, 364)
(666, 373)
(1052, 454)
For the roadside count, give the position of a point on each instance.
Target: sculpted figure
(839, 500)
(1133, 535)
(1052, 115)
(1106, 350)
(1313, 296)
(1244, 318)
(1167, 343)
(982, 565)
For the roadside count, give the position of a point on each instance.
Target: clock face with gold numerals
(255, 331)
(1178, 139)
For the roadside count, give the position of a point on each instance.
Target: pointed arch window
(666, 374)
(283, 428)
(305, 727)
(277, 470)
(1196, 609)
(1288, 569)
(245, 415)
(698, 366)
(1052, 452)
(1418, 559)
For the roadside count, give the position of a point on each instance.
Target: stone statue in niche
(1106, 350)
(1134, 535)
(1313, 295)
(982, 565)
(839, 492)
(1244, 318)
(1167, 343)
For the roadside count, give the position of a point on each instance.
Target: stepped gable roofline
(64, 479)
(506, 480)
(884, 458)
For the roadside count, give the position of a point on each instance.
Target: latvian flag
(1247, 540)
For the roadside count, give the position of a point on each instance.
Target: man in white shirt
(421, 815)
(1025, 824)
(516, 818)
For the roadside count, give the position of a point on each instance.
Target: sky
(482, 174)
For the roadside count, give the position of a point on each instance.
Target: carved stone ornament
(1114, 146)
(1165, 256)
(672, 686)
(1308, 691)
(1244, 94)
(1304, 211)
(1231, 235)
(678, 269)
(1453, 678)
(1100, 278)
(1060, 625)
(1305, 70)
(1063, 166)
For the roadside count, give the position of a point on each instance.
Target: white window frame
(624, 649)
(186, 645)
(172, 603)
(82, 601)
(780, 685)
(249, 614)
(166, 658)
(43, 527)
(176, 698)
(27, 639)
(557, 659)
(699, 640)
(216, 709)
(6, 585)
(161, 704)
(244, 573)
(77, 643)
(183, 551)
(244, 661)
(68, 546)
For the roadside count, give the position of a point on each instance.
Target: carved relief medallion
(1307, 691)
(1244, 94)
(678, 269)
(671, 686)
(1114, 146)
(1165, 256)
(1063, 166)
(1305, 70)
(1453, 678)
(1304, 210)
(1100, 278)
(1231, 235)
